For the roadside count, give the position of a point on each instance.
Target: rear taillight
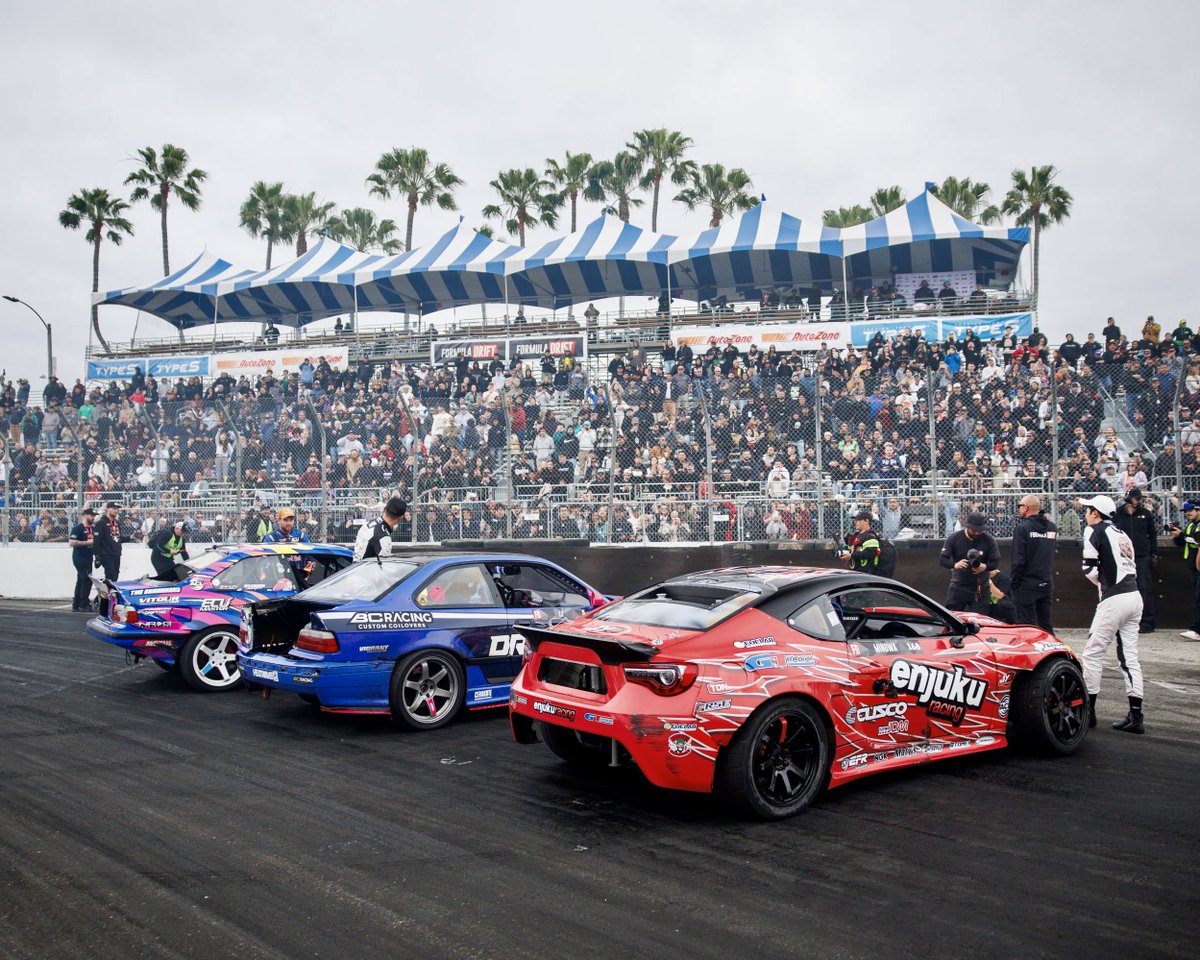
(124, 614)
(318, 641)
(665, 679)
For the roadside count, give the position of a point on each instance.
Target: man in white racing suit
(1109, 562)
(375, 537)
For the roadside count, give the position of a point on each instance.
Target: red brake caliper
(782, 729)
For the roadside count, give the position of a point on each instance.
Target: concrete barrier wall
(44, 571)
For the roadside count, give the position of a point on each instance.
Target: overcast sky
(819, 104)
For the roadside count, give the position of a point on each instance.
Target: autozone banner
(252, 362)
(784, 337)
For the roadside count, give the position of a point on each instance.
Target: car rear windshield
(689, 606)
(203, 560)
(368, 580)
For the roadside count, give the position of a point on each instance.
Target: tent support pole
(215, 302)
(506, 303)
(357, 335)
(845, 292)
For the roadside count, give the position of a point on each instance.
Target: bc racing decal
(390, 620)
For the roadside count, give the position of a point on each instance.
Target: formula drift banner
(523, 349)
(251, 362)
(170, 367)
(784, 337)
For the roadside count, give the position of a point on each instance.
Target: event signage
(499, 348)
(179, 367)
(962, 282)
(938, 328)
(253, 362)
(531, 348)
(441, 351)
(784, 337)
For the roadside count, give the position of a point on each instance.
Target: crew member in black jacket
(1032, 563)
(1138, 524)
(106, 542)
(970, 587)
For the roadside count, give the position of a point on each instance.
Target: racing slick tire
(568, 746)
(778, 761)
(208, 660)
(427, 689)
(1049, 707)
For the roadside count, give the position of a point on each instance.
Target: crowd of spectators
(792, 442)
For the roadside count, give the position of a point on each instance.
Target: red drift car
(768, 683)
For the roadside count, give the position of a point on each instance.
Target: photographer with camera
(862, 545)
(970, 554)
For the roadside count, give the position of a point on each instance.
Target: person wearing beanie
(1108, 562)
(970, 577)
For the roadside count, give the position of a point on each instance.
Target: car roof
(769, 580)
(431, 556)
(264, 549)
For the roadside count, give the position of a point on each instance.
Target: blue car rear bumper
(357, 683)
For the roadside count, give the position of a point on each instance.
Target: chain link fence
(638, 444)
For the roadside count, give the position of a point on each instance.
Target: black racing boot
(1133, 720)
(1092, 709)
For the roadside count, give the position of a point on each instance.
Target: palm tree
(967, 198)
(885, 200)
(846, 216)
(305, 217)
(721, 190)
(526, 200)
(409, 174)
(573, 175)
(105, 221)
(1036, 199)
(613, 182)
(263, 215)
(158, 177)
(660, 154)
(358, 228)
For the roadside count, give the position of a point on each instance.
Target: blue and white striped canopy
(606, 258)
(925, 235)
(762, 248)
(185, 298)
(299, 291)
(460, 267)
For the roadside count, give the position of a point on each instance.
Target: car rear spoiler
(611, 649)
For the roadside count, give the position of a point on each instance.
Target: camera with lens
(975, 558)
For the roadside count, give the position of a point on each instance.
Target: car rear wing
(612, 649)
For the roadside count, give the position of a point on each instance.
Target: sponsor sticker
(756, 642)
(1002, 707)
(554, 710)
(517, 698)
(708, 706)
(719, 686)
(858, 760)
(373, 647)
(679, 745)
(876, 711)
(390, 620)
(760, 661)
(264, 674)
(1044, 645)
(598, 718)
(679, 726)
(944, 692)
(196, 583)
(478, 695)
(799, 660)
(213, 604)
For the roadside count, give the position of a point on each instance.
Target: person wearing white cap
(1109, 562)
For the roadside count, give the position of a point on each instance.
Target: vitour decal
(390, 620)
(876, 711)
(760, 661)
(708, 706)
(799, 660)
(944, 692)
(756, 642)
(554, 710)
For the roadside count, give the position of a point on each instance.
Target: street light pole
(49, 336)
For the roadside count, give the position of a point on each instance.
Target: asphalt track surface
(140, 819)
